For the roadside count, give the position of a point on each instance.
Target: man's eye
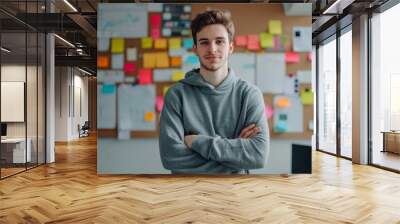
(204, 43)
(219, 42)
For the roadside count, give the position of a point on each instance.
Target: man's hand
(250, 131)
(189, 140)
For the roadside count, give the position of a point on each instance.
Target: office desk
(391, 141)
(13, 150)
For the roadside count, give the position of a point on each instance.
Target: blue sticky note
(280, 127)
(192, 59)
(108, 89)
(187, 43)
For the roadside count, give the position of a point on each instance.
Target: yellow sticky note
(307, 97)
(275, 27)
(149, 60)
(174, 43)
(162, 60)
(165, 89)
(177, 75)
(117, 45)
(266, 40)
(160, 43)
(149, 116)
(147, 42)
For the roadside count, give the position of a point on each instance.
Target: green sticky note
(307, 97)
(108, 89)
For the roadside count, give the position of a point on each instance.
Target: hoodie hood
(193, 78)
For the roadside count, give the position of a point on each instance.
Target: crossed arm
(193, 153)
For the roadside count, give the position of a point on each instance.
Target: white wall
(68, 83)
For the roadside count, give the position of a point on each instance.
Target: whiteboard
(12, 101)
(122, 20)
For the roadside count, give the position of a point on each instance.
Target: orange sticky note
(162, 60)
(149, 60)
(241, 41)
(176, 61)
(253, 42)
(283, 102)
(103, 61)
(160, 43)
(149, 116)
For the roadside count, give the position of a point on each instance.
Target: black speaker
(301, 159)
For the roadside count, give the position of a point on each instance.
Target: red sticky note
(155, 20)
(292, 57)
(155, 32)
(145, 76)
(159, 103)
(241, 41)
(130, 67)
(253, 42)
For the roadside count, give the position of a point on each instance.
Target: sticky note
(130, 67)
(269, 111)
(155, 20)
(188, 43)
(162, 60)
(191, 59)
(165, 89)
(176, 61)
(167, 16)
(117, 45)
(155, 32)
(107, 89)
(117, 61)
(149, 116)
(159, 103)
(147, 42)
(177, 75)
(145, 76)
(283, 102)
(309, 57)
(306, 96)
(131, 54)
(166, 32)
(281, 127)
(174, 43)
(266, 40)
(253, 42)
(160, 43)
(103, 44)
(103, 61)
(241, 41)
(292, 57)
(275, 27)
(149, 60)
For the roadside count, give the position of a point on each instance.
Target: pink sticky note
(155, 32)
(269, 111)
(155, 20)
(145, 76)
(241, 41)
(253, 42)
(159, 103)
(130, 67)
(292, 57)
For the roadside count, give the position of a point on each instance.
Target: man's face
(213, 47)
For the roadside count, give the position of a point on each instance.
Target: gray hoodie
(216, 115)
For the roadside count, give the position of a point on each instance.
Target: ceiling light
(70, 5)
(84, 71)
(5, 49)
(65, 41)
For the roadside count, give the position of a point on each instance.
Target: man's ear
(194, 49)
(231, 47)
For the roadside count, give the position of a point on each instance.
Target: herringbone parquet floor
(70, 191)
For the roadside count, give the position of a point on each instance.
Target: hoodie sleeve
(175, 155)
(240, 153)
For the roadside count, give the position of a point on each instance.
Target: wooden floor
(70, 191)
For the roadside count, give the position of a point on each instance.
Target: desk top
(13, 140)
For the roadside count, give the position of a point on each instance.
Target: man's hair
(211, 17)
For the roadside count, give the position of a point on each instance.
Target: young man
(212, 121)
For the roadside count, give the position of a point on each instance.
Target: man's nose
(213, 46)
